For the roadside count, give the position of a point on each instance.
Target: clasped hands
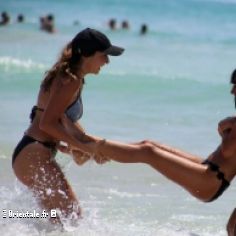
(81, 157)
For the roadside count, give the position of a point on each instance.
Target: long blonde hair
(67, 64)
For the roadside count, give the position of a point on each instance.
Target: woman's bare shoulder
(64, 81)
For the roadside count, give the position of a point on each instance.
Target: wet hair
(50, 17)
(67, 64)
(5, 17)
(233, 77)
(20, 18)
(4, 14)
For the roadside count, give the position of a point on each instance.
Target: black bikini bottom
(220, 175)
(27, 140)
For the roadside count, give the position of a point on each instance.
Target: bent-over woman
(205, 179)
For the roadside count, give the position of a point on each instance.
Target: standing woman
(55, 118)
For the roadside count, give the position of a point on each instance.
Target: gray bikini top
(74, 112)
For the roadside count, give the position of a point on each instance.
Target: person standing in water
(55, 118)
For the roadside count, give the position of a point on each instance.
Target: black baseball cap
(89, 41)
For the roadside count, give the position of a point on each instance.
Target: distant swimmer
(143, 29)
(50, 24)
(5, 18)
(112, 24)
(125, 25)
(47, 23)
(20, 18)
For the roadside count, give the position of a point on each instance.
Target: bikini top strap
(33, 112)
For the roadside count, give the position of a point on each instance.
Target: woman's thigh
(36, 168)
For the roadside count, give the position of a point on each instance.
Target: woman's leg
(191, 175)
(231, 225)
(173, 150)
(35, 168)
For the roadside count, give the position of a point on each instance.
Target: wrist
(99, 144)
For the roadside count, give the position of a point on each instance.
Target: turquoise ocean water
(171, 85)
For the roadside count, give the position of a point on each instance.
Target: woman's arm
(73, 128)
(173, 150)
(51, 120)
(79, 156)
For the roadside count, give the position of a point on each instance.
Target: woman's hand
(81, 157)
(78, 156)
(100, 159)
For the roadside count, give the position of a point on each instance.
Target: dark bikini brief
(220, 175)
(28, 140)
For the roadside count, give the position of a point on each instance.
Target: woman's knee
(146, 142)
(148, 151)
